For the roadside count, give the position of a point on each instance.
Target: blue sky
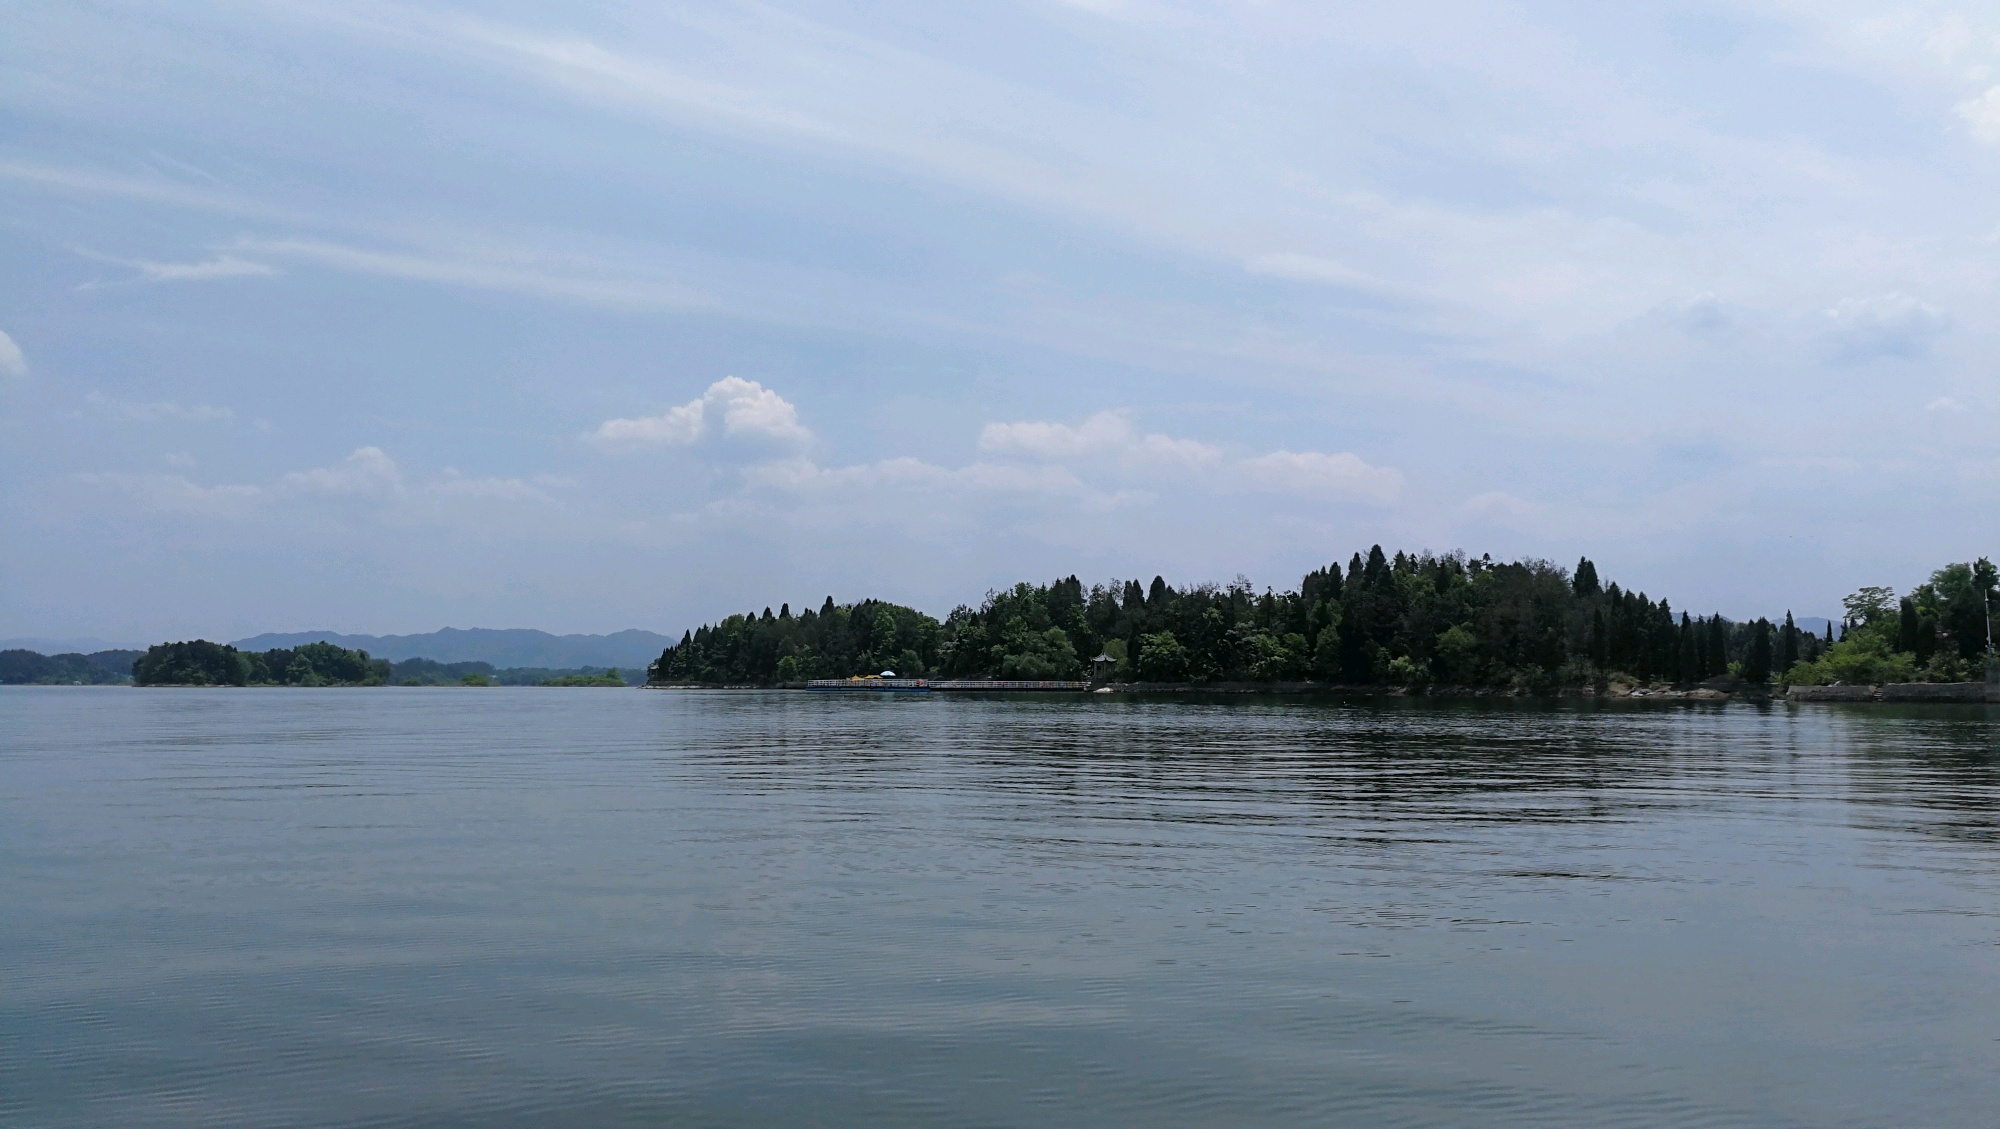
(382, 316)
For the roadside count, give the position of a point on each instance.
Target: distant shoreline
(1950, 693)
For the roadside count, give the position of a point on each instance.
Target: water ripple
(546, 907)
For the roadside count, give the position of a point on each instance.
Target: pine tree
(1585, 583)
(1683, 667)
(1757, 666)
(1788, 653)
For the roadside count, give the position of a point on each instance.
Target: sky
(381, 317)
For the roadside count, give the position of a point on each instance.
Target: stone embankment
(1899, 692)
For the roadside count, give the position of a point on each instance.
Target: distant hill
(73, 646)
(18, 666)
(503, 647)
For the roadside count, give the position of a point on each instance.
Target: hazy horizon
(377, 316)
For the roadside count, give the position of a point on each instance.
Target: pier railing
(1006, 684)
(945, 684)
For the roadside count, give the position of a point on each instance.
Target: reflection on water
(525, 907)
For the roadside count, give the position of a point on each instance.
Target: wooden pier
(948, 685)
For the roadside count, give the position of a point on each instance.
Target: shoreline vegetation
(20, 667)
(1445, 625)
(199, 662)
(1423, 623)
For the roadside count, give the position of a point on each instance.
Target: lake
(515, 907)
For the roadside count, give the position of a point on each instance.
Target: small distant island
(20, 667)
(1407, 623)
(199, 662)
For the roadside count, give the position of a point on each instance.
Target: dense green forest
(20, 667)
(202, 663)
(1940, 632)
(429, 672)
(1409, 620)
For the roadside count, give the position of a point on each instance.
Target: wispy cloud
(1982, 115)
(1106, 433)
(368, 477)
(1342, 474)
(221, 266)
(158, 411)
(13, 363)
(1887, 325)
(1501, 507)
(806, 476)
(506, 273)
(205, 270)
(146, 189)
(1309, 268)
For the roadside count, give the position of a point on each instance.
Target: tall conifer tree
(1757, 665)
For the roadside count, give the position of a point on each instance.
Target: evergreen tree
(1377, 569)
(1788, 654)
(1757, 665)
(1585, 583)
(1684, 660)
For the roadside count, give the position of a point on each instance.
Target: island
(1406, 622)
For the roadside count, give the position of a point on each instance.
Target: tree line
(20, 667)
(199, 662)
(1942, 631)
(1413, 620)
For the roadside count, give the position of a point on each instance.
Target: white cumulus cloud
(1106, 433)
(1316, 472)
(732, 405)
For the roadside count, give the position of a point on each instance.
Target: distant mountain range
(503, 647)
(44, 645)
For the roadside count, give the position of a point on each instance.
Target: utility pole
(1984, 577)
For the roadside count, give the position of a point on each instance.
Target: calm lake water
(513, 907)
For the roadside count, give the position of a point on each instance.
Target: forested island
(199, 662)
(19, 667)
(1409, 621)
